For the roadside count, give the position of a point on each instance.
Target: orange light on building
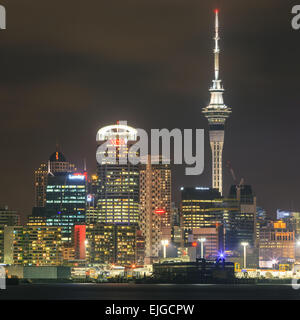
(194, 244)
(279, 225)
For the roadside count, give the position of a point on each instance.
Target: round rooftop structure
(117, 131)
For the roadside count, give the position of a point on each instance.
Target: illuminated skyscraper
(203, 207)
(216, 113)
(155, 207)
(66, 201)
(117, 194)
(118, 179)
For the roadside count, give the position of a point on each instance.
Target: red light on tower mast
(216, 11)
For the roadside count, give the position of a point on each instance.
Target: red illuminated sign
(117, 142)
(160, 211)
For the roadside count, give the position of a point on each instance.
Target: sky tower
(216, 113)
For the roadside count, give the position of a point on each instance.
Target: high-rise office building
(118, 179)
(244, 225)
(203, 207)
(155, 207)
(66, 201)
(57, 163)
(118, 191)
(217, 113)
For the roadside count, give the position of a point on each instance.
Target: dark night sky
(71, 67)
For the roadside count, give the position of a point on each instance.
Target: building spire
(217, 49)
(217, 89)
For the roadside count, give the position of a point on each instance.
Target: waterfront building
(108, 243)
(276, 244)
(32, 245)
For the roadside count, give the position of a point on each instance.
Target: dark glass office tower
(66, 201)
(244, 224)
(57, 163)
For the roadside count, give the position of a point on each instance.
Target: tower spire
(217, 49)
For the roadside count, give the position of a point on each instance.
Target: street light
(202, 240)
(245, 244)
(165, 243)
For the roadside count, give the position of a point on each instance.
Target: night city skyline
(149, 154)
(63, 80)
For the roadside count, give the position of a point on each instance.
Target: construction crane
(238, 186)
